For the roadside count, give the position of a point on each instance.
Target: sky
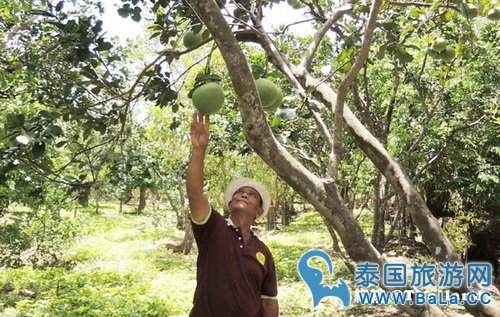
(279, 14)
(126, 29)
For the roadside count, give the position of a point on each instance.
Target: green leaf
(46, 114)
(103, 45)
(55, 130)
(275, 122)
(82, 54)
(97, 28)
(38, 149)
(136, 17)
(41, 12)
(381, 52)
(403, 56)
(15, 120)
(61, 144)
(71, 26)
(83, 200)
(124, 12)
(59, 6)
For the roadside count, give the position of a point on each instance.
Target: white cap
(247, 182)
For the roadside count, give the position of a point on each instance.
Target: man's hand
(199, 131)
(198, 202)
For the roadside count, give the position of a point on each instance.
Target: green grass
(122, 268)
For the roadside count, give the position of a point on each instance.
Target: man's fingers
(200, 120)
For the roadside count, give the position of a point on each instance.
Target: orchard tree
(393, 90)
(321, 190)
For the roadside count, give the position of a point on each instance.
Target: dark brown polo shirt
(232, 277)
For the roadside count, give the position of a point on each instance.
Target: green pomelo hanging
(276, 103)
(191, 39)
(268, 91)
(432, 53)
(448, 54)
(439, 44)
(208, 98)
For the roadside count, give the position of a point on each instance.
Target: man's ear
(260, 211)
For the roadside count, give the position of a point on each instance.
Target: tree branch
(410, 4)
(304, 156)
(295, 23)
(445, 145)
(336, 153)
(285, 68)
(313, 46)
(390, 109)
(15, 30)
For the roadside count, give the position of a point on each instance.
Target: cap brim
(237, 183)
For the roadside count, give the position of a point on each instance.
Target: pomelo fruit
(432, 53)
(276, 103)
(448, 54)
(208, 98)
(205, 34)
(191, 39)
(439, 44)
(268, 92)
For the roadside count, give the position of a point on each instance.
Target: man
(236, 275)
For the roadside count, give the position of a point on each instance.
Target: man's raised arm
(198, 202)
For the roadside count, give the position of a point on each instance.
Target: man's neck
(242, 222)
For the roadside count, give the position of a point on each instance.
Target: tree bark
(142, 199)
(378, 230)
(186, 245)
(427, 224)
(323, 194)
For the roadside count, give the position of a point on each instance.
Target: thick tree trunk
(271, 219)
(121, 204)
(97, 204)
(142, 199)
(286, 212)
(177, 209)
(273, 210)
(186, 245)
(323, 194)
(378, 232)
(427, 224)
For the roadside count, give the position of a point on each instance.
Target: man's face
(247, 197)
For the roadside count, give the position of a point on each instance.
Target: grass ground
(121, 268)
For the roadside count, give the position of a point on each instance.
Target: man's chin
(239, 206)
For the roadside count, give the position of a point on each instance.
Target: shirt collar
(230, 223)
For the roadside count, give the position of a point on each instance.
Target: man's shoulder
(212, 216)
(262, 245)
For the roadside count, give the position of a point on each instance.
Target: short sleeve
(269, 284)
(202, 230)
